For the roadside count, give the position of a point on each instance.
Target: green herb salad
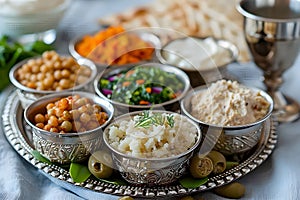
(142, 85)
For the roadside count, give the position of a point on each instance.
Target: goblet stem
(285, 108)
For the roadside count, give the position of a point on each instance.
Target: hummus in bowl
(231, 113)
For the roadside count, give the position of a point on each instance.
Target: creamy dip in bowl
(232, 115)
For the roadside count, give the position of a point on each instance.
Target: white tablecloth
(277, 178)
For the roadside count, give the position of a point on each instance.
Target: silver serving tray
(19, 136)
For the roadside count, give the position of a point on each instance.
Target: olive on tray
(200, 166)
(219, 161)
(99, 164)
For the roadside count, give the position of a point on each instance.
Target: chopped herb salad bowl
(139, 87)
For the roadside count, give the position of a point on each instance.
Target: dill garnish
(146, 120)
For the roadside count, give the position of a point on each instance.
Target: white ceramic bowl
(32, 20)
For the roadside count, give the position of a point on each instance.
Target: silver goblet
(272, 31)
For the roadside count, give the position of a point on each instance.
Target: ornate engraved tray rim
(12, 121)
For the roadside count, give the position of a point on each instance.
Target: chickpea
(33, 78)
(58, 111)
(92, 125)
(96, 116)
(64, 83)
(56, 64)
(49, 106)
(79, 102)
(76, 125)
(39, 118)
(66, 126)
(82, 79)
(83, 109)
(75, 114)
(65, 73)
(26, 68)
(48, 82)
(97, 108)
(53, 121)
(57, 75)
(51, 112)
(66, 115)
(63, 104)
(31, 62)
(84, 118)
(40, 125)
(54, 129)
(35, 69)
(47, 127)
(31, 85)
(59, 88)
(40, 76)
(44, 68)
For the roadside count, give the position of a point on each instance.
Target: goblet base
(286, 108)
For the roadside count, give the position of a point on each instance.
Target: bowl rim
(82, 61)
(226, 44)
(107, 106)
(236, 127)
(130, 115)
(155, 42)
(168, 68)
(240, 7)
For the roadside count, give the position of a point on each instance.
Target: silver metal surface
(228, 139)
(143, 33)
(19, 136)
(122, 108)
(197, 75)
(272, 31)
(67, 147)
(29, 95)
(151, 171)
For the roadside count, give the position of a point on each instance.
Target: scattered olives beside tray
(126, 198)
(233, 190)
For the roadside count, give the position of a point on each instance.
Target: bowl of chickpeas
(51, 73)
(68, 126)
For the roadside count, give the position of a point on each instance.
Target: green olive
(125, 198)
(100, 164)
(219, 161)
(187, 198)
(233, 190)
(200, 166)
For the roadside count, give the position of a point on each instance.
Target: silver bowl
(28, 95)
(151, 171)
(199, 74)
(68, 147)
(228, 140)
(122, 108)
(144, 35)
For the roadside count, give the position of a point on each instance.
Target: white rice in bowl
(157, 135)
